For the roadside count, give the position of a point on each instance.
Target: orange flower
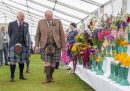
(116, 57)
(126, 62)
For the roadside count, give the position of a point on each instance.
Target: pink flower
(122, 33)
(101, 35)
(113, 33)
(107, 32)
(64, 57)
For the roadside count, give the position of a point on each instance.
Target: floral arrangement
(123, 59)
(108, 22)
(74, 47)
(126, 62)
(116, 23)
(121, 42)
(80, 38)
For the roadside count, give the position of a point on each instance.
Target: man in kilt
(50, 38)
(19, 44)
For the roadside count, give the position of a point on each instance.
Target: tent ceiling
(66, 10)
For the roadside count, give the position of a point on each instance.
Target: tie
(20, 25)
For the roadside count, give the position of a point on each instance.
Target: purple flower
(109, 37)
(92, 50)
(95, 33)
(118, 26)
(124, 24)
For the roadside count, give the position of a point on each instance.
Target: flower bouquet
(74, 51)
(80, 38)
(121, 68)
(125, 69)
(96, 43)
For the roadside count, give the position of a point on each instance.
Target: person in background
(5, 45)
(19, 44)
(1, 48)
(71, 38)
(28, 58)
(50, 38)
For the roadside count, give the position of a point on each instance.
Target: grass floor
(63, 80)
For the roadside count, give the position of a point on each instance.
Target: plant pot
(124, 81)
(124, 49)
(108, 50)
(112, 71)
(120, 74)
(129, 37)
(80, 61)
(120, 49)
(116, 73)
(93, 66)
(100, 71)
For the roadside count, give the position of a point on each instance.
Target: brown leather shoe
(46, 81)
(47, 72)
(51, 73)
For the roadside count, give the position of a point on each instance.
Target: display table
(99, 82)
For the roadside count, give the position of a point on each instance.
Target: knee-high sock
(52, 71)
(12, 70)
(21, 68)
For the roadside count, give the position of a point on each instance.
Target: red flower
(128, 19)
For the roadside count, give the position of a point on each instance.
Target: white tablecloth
(100, 82)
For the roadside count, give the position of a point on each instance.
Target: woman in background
(71, 39)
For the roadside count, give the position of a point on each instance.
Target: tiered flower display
(110, 40)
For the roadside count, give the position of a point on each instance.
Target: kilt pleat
(56, 57)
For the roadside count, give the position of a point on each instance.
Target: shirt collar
(18, 22)
(49, 21)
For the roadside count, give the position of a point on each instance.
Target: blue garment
(20, 38)
(13, 33)
(71, 35)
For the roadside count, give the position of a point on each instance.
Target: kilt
(53, 58)
(16, 57)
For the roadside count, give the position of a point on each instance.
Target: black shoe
(11, 80)
(23, 78)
